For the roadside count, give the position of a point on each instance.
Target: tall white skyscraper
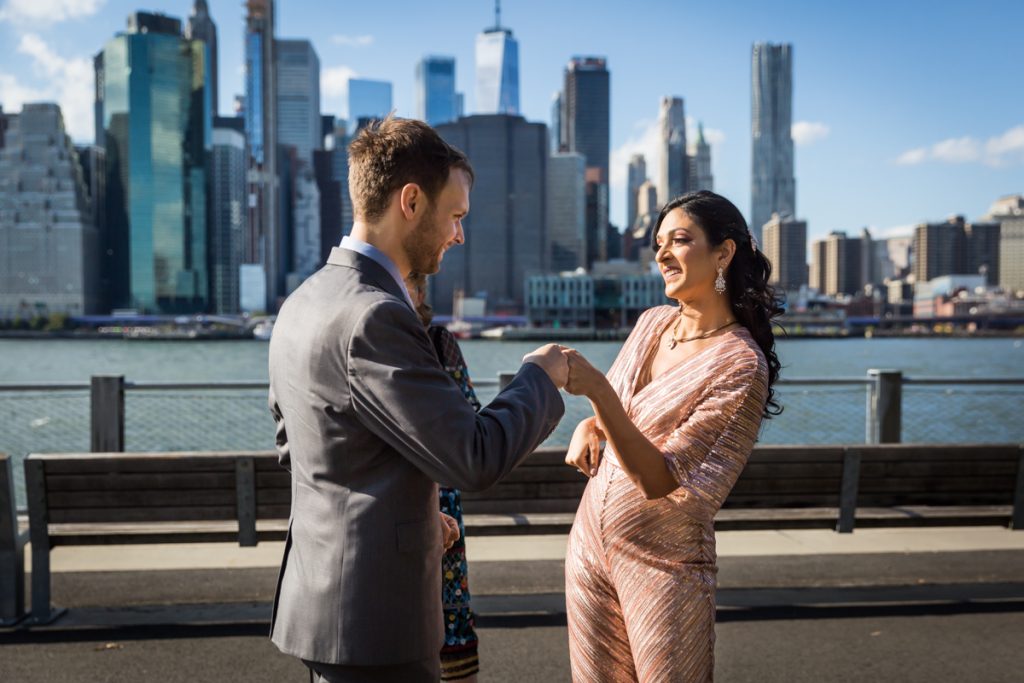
(673, 166)
(773, 186)
(298, 97)
(497, 69)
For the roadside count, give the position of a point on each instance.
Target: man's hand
(449, 531)
(551, 360)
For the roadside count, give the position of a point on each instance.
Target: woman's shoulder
(744, 355)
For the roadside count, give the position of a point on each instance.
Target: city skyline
(906, 137)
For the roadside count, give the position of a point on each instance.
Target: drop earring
(720, 281)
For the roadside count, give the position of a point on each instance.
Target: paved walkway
(790, 543)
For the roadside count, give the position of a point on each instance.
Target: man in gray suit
(367, 422)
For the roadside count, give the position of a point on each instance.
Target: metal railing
(110, 413)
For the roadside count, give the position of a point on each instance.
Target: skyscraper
(435, 90)
(673, 166)
(505, 231)
(497, 69)
(566, 212)
(157, 128)
(368, 99)
(330, 202)
(773, 186)
(939, 249)
(637, 177)
(836, 264)
(700, 177)
(555, 131)
(267, 243)
(298, 98)
(1009, 213)
(227, 218)
(49, 252)
(587, 126)
(785, 245)
(201, 27)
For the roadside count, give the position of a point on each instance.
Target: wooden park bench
(127, 498)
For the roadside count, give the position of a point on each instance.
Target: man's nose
(460, 237)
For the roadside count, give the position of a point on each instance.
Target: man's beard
(422, 246)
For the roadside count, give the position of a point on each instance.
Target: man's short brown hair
(391, 153)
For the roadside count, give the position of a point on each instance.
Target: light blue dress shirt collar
(372, 252)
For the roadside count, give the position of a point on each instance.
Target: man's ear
(411, 200)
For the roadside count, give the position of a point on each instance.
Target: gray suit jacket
(367, 421)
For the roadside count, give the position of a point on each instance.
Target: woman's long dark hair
(753, 300)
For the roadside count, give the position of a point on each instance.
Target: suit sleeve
(401, 393)
(709, 450)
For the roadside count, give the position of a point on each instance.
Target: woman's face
(688, 262)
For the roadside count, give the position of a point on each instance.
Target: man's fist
(551, 359)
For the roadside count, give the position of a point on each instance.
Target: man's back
(367, 422)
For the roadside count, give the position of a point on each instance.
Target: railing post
(886, 405)
(1017, 520)
(12, 551)
(504, 379)
(848, 491)
(106, 406)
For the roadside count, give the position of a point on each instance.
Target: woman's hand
(584, 378)
(585, 447)
(449, 531)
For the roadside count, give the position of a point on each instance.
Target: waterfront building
(48, 242)
(1009, 213)
(673, 164)
(836, 265)
(700, 176)
(592, 300)
(555, 136)
(368, 99)
(305, 226)
(201, 27)
(982, 255)
(773, 185)
(298, 98)
(329, 190)
(785, 245)
(156, 120)
(636, 177)
(497, 69)
(227, 218)
(267, 243)
(436, 100)
(955, 247)
(506, 229)
(587, 126)
(566, 212)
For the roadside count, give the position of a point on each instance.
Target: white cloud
(48, 11)
(808, 132)
(913, 157)
(352, 41)
(334, 87)
(957, 150)
(68, 82)
(1010, 144)
(1001, 150)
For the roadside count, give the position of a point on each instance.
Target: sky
(904, 111)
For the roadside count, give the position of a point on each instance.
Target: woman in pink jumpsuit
(680, 410)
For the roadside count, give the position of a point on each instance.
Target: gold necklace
(675, 328)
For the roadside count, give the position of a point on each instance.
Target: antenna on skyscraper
(497, 13)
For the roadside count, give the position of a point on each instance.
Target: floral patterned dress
(459, 658)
